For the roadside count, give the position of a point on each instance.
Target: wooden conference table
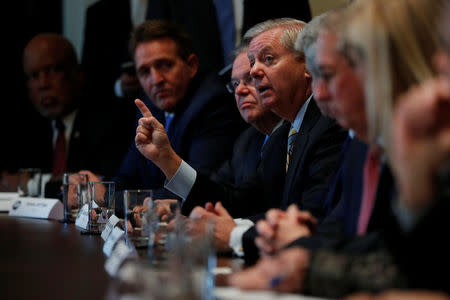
(46, 259)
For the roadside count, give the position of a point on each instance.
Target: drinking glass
(75, 193)
(137, 204)
(101, 204)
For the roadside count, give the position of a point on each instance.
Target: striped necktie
(291, 140)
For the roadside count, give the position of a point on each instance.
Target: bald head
(53, 75)
(50, 44)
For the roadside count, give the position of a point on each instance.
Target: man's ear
(308, 75)
(192, 62)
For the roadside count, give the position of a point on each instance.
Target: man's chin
(165, 105)
(50, 114)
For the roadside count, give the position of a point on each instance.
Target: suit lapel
(312, 115)
(197, 100)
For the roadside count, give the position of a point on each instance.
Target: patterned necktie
(59, 152)
(371, 175)
(291, 140)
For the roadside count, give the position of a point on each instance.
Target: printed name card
(113, 220)
(6, 200)
(112, 239)
(82, 219)
(42, 208)
(120, 253)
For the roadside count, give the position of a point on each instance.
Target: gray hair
(306, 39)
(291, 28)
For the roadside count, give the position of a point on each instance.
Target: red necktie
(371, 175)
(59, 153)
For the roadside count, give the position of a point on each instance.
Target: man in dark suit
(402, 255)
(254, 148)
(284, 87)
(199, 115)
(248, 148)
(343, 230)
(88, 138)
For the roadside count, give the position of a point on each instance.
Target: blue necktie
(264, 143)
(225, 19)
(169, 118)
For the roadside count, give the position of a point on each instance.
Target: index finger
(143, 108)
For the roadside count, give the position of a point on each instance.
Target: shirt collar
(300, 115)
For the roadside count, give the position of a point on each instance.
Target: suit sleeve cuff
(183, 180)
(242, 225)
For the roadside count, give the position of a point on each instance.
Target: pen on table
(276, 280)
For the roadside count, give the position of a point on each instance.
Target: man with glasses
(248, 149)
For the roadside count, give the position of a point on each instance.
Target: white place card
(42, 208)
(8, 196)
(121, 252)
(6, 201)
(82, 219)
(112, 221)
(115, 235)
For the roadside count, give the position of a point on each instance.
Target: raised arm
(153, 143)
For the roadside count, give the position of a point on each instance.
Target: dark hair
(158, 29)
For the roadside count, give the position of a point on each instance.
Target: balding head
(53, 75)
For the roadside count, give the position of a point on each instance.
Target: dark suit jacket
(198, 18)
(203, 132)
(318, 146)
(338, 230)
(97, 142)
(107, 32)
(413, 259)
(245, 159)
(316, 153)
(253, 195)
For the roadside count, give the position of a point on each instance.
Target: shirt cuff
(242, 225)
(183, 180)
(118, 88)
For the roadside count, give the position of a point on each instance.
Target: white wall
(73, 21)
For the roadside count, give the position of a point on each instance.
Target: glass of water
(75, 193)
(101, 204)
(137, 204)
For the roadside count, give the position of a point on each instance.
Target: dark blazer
(316, 150)
(106, 34)
(198, 18)
(252, 195)
(203, 132)
(338, 230)
(315, 156)
(97, 142)
(245, 159)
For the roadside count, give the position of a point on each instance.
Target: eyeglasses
(234, 83)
